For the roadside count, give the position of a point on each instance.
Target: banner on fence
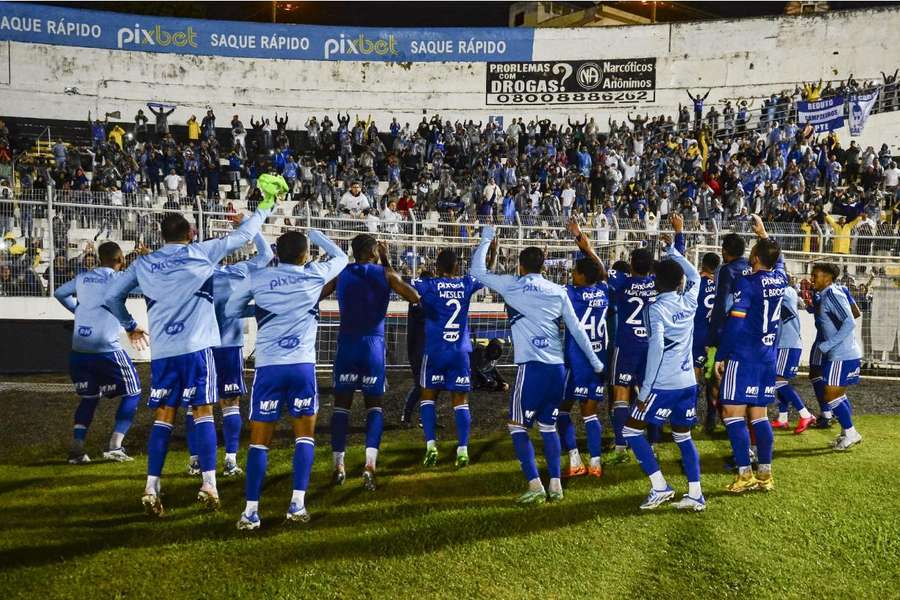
(45, 24)
(612, 81)
(860, 107)
(823, 115)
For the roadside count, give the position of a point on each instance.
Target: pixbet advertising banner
(613, 81)
(44, 24)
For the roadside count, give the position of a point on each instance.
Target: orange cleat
(781, 425)
(574, 472)
(595, 471)
(804, 424)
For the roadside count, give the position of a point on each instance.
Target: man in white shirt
(173, 185)
(535, 198)
(390, 217)
(891, 177)
(567, 197)
(372, 220)
(491, 191)
(354, 201)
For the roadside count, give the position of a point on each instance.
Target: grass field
(830, 530)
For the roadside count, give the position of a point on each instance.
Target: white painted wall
(735, 58)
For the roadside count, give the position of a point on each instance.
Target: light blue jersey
(177, 283)
(286, 308)
(534, 306)
(670, 363)
(96, 330)
(835, 323)
(789, 331)
(225, 279)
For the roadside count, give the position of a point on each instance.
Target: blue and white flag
(823, 115)
(860, 107)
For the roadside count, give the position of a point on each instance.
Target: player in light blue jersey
(669, 389)
(590, 300)
(445, 364)
(535, 307)
(745, 361)
(286, 299)
(98, 364)
(177, 283)
(841, 353)
(790, 346)
(363, 293)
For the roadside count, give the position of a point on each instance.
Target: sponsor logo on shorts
(159, 393)
(301, 403)
(232, 387)
(581, 391)
(540, 342)
(289, 342)
(85, 330)
(104, 389)
(348, 378)
(624, 378)
(189, 393)
(462, 380)
(372, 380)
(81, 385)
(770, 390)
(663, 413)
(853, 374)
(437, 379)
(268, 405)
(175, 328)
(529, 415)
(752, 390)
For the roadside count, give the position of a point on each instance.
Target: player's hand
(139, 339)
(236, 218)
(720, 369)
(666, 239)
(573, 227)
(758, 228)
(382, 249)
(677, 222)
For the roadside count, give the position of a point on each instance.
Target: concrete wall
(736, 58)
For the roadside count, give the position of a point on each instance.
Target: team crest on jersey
(540, 342)
(268, 405)
(289, 343)
(175, 327)
(85, 330)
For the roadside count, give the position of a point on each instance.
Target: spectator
(193, 129)
(354, 202)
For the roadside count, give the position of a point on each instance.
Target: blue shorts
(699, 356)
(840, 373)
(748, 383)
(446, 371)
(183, 379)
(679, 407)
(107, 374)
(815, 357)
(359, 365)
(275, 386)
(230, 371)
(628, 367)
(584, 385)
(537, 393)
(788, 362)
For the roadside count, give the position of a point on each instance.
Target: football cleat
(765, 482)
(846, 440)
(804, 424)
(462, 460)
(824, 423)
(574, 471)
(369, 480)
(688, 503)
(248, 522)
(595, 471)
(617, 457)
(152, 505)
(231, 470)
(743, 483)
(555, 495)
(193, 468)
(297, 514)
(78, 458)
(431, 457)
(657, 498)
(117, 455)
(781, 425)
(532, 497)
(208, 498)
(339, 476)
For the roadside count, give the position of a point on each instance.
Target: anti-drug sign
(612, 81)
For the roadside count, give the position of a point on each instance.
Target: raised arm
(478, 270)
(114, 300)
(656, 347)
(576, 330)
(338, 258)
(238, 305)
(396, 283)
(66, 296)
(584, 244)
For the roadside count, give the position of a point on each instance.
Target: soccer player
(534, 306)
(177, 283)
(705, 301)
(588, 295)
(745, 361)
(98, 364)
(286, 309)
(363, 292)
(669, 390)
(632, 293)
(790, 345)
(840, 351)
(415, 349)
(445, 366)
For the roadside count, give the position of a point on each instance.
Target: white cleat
(297, 514)
(193, 468)
(657, 498)
(117, 455)
(208, 498)
(76, 458)
(248, 522)
(231, 470)
(846, 440)
(688, 503)
(152, 505)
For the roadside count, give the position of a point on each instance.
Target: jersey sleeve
(66, 295)
(692, 276)
(473, 284)
(724, 283)
(331, 268)
(479, 271)
(238, 305)
(616, 280)
(219, 248)
(655, 350)
(735, 323)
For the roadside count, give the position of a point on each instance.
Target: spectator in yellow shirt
(842, 229)
(193, 129)
(116, 135)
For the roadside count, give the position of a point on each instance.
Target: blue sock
(552, 449)
(429, 421)
(819, 388)
(231, 428)
(566, 431)
(374, 427)
(782, 398)
(205, 439)
(84, 414)
(765, 440)
(257, 459)
(190, 432)
(340, 418)
(639, 444)
(619, 418)
(524, 451)
(841, 408)
(690, 458)
(463, 423)
(594, 432)
(788, 395)
(157, 447)
(125, 413)
(412, 397)
(739, 435)
(304, 450)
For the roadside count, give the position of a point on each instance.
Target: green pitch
(831, 529)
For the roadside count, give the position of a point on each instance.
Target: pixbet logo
(140, 36)
(360, 45)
